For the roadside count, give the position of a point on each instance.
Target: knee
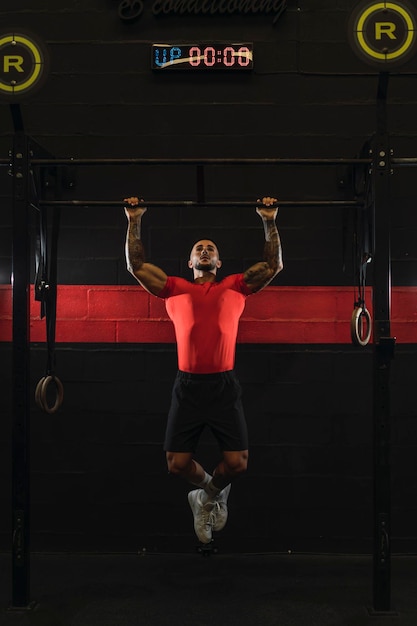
(178, 465)
(236, 464)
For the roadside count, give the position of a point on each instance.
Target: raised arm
(151, 277)
(260, 275)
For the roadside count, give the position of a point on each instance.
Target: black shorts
(200, 400)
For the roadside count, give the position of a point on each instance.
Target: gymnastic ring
(40, 394)
(356, 326)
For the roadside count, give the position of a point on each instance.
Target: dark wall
(99, 478)
(308, 96)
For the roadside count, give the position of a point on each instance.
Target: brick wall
(128, 314)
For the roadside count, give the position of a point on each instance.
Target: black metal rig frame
(381, 164)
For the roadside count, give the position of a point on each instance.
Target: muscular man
(206, 392)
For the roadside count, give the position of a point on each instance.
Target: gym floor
(223, 589)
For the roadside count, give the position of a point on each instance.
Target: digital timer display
(202, 56)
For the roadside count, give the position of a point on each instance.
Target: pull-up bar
(396, 162)
(196, 161)
(193, 203)
(70, 161)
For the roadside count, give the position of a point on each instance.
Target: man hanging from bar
(206, 392)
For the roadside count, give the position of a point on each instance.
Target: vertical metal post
(383, 354)
(21, 372)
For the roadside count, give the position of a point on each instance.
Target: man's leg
(217, 490)
(233, 464)
(209, 503)
(183, 465)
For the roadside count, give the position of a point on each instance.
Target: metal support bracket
(21, 373)
(383, 354)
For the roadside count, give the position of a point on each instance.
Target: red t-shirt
(206, 319)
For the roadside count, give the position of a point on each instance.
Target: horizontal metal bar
(395, 162)
(213, 161)
(404, 162)
(193, 203)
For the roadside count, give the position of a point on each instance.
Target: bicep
(151, 277)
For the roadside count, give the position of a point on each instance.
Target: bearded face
(204, 256)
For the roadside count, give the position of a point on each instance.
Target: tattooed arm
(151, 277)
(259, 275)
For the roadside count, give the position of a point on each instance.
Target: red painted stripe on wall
(128, 314)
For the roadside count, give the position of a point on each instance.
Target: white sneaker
(220, 511)
(203, 515)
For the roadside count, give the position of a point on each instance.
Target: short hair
(205, 239)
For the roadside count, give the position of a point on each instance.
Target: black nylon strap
(46, 256)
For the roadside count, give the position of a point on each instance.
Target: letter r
(13, 61)
(385, 28)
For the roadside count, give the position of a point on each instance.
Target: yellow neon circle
(37, 67)
(391, 55)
